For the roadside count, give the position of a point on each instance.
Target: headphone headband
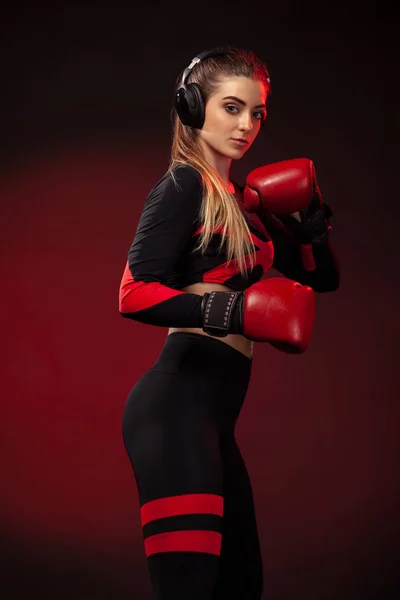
(220, 51)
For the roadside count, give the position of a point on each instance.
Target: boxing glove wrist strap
(222, 313)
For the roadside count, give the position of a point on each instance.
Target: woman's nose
(246, 122)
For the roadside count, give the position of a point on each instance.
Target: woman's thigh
(171, 437)
(173, 445)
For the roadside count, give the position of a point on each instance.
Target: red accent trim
(264, 256)
(184, 541)
(182, 505)
(307, 257)
(139, 295)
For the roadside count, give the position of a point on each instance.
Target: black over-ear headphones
(189, 100)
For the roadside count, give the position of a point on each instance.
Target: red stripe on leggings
(184, 541)
(182, 505)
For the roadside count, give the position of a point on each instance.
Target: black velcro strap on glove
(221, 313)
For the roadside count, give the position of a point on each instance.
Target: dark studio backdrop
(85, 133)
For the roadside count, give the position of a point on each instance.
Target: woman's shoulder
(182, 188)
(181, 180)
(181, 177)
(186, 171)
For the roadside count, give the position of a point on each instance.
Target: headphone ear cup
(189, 105)
(198, 112)
(182, 105)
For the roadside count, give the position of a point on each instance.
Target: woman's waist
(239, 342)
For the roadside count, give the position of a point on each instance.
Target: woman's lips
(241, 142)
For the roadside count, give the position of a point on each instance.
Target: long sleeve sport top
(162, 259)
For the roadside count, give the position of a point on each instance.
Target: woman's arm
(165, 227)
(312, 264)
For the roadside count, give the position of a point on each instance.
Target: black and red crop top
(162, 259)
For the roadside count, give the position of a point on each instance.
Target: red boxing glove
(280, 311)
(287, 187)
(275, 310)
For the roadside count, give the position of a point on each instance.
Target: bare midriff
(239, 342)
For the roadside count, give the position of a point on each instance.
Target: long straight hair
(219, 208)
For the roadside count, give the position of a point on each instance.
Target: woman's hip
(193, 378)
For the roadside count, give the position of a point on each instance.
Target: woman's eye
(229, 106)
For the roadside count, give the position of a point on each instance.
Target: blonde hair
(219, 207)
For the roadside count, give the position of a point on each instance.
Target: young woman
(196, 266)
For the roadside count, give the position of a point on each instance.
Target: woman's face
(235, 111)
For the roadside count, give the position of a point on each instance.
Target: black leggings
(196, 502)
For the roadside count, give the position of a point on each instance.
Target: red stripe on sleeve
(139, 295)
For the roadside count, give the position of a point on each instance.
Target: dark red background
(85, 131)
